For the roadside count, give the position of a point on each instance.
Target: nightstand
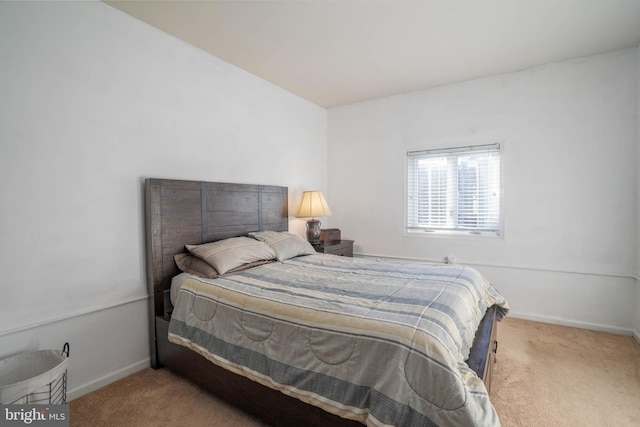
(342, 248)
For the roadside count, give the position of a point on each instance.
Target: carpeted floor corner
(155, 398)
(546, 375)
(550, 375)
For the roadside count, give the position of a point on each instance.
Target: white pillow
(226, 254)
(285, 245)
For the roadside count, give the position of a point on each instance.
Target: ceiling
(340, 52)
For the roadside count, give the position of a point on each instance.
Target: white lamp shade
(313, 204)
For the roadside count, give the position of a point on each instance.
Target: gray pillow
(227, 254)
(285, 245)
(194, 265)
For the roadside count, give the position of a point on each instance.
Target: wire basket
(38, 377)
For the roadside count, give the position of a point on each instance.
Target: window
(454, 190)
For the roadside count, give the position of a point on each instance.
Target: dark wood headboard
(193, 212)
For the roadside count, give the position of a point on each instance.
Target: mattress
(382, 342)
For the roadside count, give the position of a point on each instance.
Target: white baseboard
(636, 335)
(81, 390)
(574, 324)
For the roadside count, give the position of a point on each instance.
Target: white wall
(569, 137)
(637, 318)
(93, 101)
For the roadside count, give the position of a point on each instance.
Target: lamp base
(313, 231)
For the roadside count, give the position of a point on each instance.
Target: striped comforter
(379, 341)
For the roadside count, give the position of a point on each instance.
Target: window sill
(470, 234)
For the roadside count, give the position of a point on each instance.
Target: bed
(234, 335)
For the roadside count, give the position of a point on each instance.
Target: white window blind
(456, 189)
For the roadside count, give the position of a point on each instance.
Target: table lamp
(313, 204)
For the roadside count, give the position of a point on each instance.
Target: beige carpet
(549, 375)
(546, 375)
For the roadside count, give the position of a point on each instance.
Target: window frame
(446, 232)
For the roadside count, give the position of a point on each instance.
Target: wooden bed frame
(194, 212)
